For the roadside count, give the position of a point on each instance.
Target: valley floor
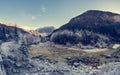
(59, 52)
(48, 60)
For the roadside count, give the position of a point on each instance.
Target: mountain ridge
(97, 23)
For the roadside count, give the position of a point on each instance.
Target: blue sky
(40, 13)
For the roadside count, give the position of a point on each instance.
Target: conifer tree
(24, 49)
(16, 34)
(4, 34)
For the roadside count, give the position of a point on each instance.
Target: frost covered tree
(16, 36)
(64, 37)
(2, 69)
(3, 34)
(24, 50)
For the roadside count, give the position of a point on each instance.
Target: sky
(32, 14)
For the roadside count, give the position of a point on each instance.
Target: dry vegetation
(51, 52)
(60, 53)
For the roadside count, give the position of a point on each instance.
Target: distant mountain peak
(46, 30)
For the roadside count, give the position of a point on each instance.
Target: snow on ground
(61, 68)
(115, 46)
(95, 50)
(8, 46)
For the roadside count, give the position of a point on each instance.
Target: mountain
(95, 28)
(36, 33)
(47, 30)
(14, 33)
(10, 32)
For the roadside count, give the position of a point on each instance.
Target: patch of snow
(8, 46)
(115, 46)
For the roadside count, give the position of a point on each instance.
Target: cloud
(33, 17)
(43, 8)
